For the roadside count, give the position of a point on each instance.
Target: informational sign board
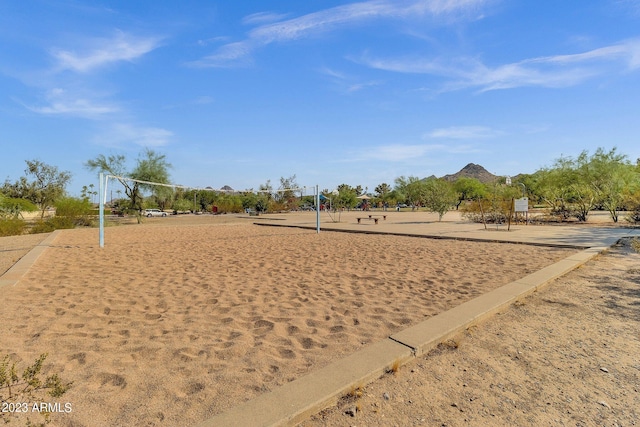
(522, 205)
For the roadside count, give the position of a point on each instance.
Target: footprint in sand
(307, 343)
(287, 353)
(194, 388)
(112, 379)
(184, 355)
(75, 325)
(80, 357)
(263, 326)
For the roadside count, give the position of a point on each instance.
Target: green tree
(612, 174)
(566, 187)
(574, 186)
(150, 167)
(265, 197)
(347, 197)
(468, 189)
(13, 207)
(47, 185)
(383, 192)
(411, 189)
(439, 196)
(182, 205)
(286, 196)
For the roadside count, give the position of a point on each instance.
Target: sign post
(522, 205)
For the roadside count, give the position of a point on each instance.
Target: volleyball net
(124, 181)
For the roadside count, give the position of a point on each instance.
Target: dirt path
(568, 355)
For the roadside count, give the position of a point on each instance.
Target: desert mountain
(472, 171)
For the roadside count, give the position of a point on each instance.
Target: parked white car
(153, 212)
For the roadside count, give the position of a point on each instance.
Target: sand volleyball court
(178, 319)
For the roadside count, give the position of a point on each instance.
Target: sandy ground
(568, 355)
(13, 248)
(176, 320)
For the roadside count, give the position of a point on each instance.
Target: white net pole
(102, 189)
(317, 196)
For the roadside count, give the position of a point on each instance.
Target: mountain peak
(472, 171)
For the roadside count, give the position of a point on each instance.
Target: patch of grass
(471, 330)
(635, 244)
(450, 344)
(355, 392)
(394, 368)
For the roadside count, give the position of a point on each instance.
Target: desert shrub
(41, 227)
(633, 206)
(31, 386)
(12, 226)
(70, 206)
(52, 224)
(182, 205)
(229, 203)
(62, 222)
(496, 211)
(634, 215)
(70, 210)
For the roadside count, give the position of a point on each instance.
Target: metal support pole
(317, 210)
(101, 208)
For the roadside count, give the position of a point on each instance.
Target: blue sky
(240, 92)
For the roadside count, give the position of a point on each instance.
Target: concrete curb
(297, 400)
(12, 276)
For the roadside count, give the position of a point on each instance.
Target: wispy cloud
(123, 134)
(406, 152)
(328, 20)
(103, 51)
(60, 102)
(347, 83)
(356, 87)
(463, 132)
(399, 152)
(548, 71)
(631, 5)
(262, 18)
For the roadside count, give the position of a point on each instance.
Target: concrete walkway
(297, 400)
(15, 273)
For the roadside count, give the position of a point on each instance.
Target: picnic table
(374, 218)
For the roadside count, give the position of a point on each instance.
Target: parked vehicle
(153, 212)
